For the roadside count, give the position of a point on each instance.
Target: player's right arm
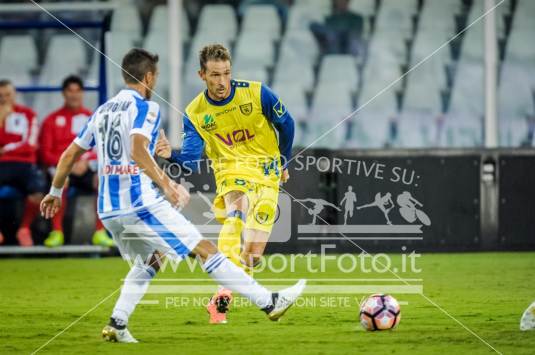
(175, 193)
(192, 147)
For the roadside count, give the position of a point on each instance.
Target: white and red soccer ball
(379, 312)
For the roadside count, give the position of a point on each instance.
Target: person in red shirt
(18, 169)
(57, 132)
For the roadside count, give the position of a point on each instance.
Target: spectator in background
(58, 131)
(341, 31)
(18, 136)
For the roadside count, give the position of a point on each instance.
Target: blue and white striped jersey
(123, 188)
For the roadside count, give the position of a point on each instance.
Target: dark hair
(213, 52)
(136, 63)
(72, 79)
(5, 82)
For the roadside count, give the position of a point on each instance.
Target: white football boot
(112, 334)
(527, 322)
(284, 299)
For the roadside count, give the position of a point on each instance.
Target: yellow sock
(229, 241)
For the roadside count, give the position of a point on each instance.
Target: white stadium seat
(126, 19)
(254, 50)
(299, 45)
(19, 61)
(295, 73)
(515, 95)
(118, 45)
(262, 18)
(363, 7)
(438, 16)
(467, 96)
(300, 16)
(218, 19)
(396, 16)
(462, 131)
(250, 74)
(417, 131)
(341, 69)
(65, 55)
(159, 23)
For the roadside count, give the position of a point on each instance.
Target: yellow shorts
(262, 199)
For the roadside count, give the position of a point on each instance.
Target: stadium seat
(339, 69)
(516, 48)
(300, 45)
(363, 7)
(332, 104)
(423, 90)
(438, 16)
(300, 16)
(291, 71)
(322, 7)
(159, 23)
(462, 131)
(515, 95)
(262, 19)
(254, 50)
(426, 46)
(368, 131)
(396, 16)
(417, 130)
(19, 61)
(65, 55)
(250, 74)
(387, 46)
(523, 17)
(218, 19)
(513, 133)
(467, 95)
(118, 45)
(126, 19)
(379, 74)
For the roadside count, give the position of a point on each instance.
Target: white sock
(135, 285)
(230, 276)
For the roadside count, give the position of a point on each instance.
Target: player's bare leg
(229, 243)
(253, 249)
(230, 276)
(135, 285)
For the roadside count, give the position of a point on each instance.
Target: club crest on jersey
(236, 137)
(246, 109)
(208, 123)
(279, 109)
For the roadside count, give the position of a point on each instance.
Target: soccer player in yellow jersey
(236, 123)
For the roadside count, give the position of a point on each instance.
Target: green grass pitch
(487, 292)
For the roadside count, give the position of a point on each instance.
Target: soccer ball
(379, 312)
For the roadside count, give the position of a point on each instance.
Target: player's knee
(204, 249)
(250, 260)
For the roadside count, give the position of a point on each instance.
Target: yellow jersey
(239, 133)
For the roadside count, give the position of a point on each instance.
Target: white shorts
(159, 227)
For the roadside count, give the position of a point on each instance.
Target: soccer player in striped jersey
(236, 122)
(145, 225)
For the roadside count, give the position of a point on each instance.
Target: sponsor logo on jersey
(246, 109)
(208, 123)
(236, 137)
(112, 169)
(227, 110)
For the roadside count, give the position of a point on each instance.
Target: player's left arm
(276, 113)
(85, 140)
